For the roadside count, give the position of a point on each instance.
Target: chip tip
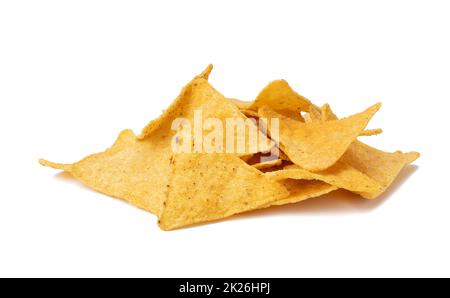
(371, 132)
(164, 227)
(56, 166)
(414, 156)
(205, 74)
(377, 106)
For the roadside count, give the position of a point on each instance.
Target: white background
(73, 74)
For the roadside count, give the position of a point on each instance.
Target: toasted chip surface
(128, 170)
(317, 146)
(381, 166)
(340, 175)
(267, 164)
(208, 187)
(371, 132)
(138, 169)
(280, 97)
(301, 190)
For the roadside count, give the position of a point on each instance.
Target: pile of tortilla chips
(318, 153)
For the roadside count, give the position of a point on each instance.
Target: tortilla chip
(209, 187)
(382, 167)
(325, 114)
(340, 175)
(200, 95)
(317, 146)
(145, 161)
(301, 190)
(280, 97)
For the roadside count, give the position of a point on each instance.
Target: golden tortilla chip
(317, 146)
(200, 95)
(382, 167)
(340, 175)
(280, 97)
(145, 161)
(325, 114)
(208, 187)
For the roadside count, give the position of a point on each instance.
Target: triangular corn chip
(381, 166)
(340, 175)
(280, 97)
(197, 96)
(316, 146)
(326, 114)
(145, 161)
(209, 187)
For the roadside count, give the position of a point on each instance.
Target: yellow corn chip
(145, 162)
(317, 146)
(340, 175)
(381, 166)
(280, 97)
(325, 114)
(208, 187)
